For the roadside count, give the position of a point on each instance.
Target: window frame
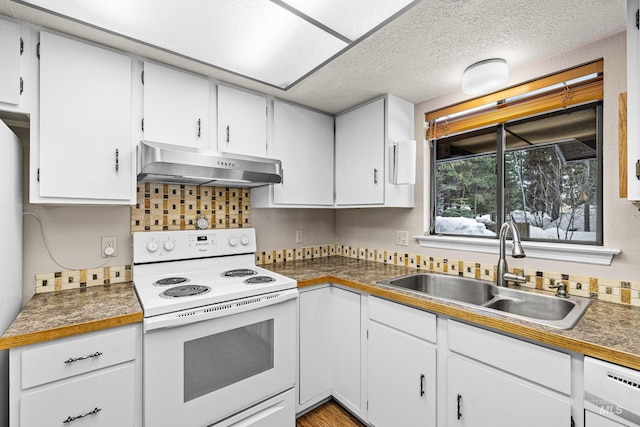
(501, 184)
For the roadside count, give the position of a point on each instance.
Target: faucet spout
(517, 252)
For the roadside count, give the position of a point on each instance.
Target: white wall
(375, 228)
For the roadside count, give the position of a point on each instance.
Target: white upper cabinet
(82, 148)
(360, 155)
(365, 166)
(14, 66)
(10, 53)
(633, 102)
(303, 141)
(242, 122)
(176, 107)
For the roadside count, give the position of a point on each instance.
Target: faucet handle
(561, 290)
(511, 277)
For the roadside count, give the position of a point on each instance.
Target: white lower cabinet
(482, 397)
(92, 379)
(401, 366)
(394, 365)
(330, 357)
(494, 380)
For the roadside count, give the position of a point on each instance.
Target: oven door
(203, 371)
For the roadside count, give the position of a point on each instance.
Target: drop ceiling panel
(254, 38)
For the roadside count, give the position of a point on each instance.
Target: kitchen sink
(462, 289)
(547, 310)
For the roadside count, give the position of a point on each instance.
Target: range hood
(174, 164)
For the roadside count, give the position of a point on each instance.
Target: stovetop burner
(185, 291)
(257, 280)
(168, 281)
(239, 272)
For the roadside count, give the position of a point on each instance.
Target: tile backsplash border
(615, 291)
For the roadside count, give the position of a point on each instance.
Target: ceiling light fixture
(485, 76)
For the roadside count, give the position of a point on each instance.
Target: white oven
(201, 372)
(219, 339)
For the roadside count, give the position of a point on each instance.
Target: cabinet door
(402, 378)
(176, 107)
(481, 397)
(360, 155)
(10, 66)
(242, 122)
(315, 344)
(303, 141)
(346, 358)
(85, 138)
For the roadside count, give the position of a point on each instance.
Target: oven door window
(217, 361)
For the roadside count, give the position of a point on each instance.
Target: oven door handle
(172, 320)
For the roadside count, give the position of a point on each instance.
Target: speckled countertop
(60, 314)
(606, 331)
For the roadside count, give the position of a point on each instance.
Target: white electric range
(219, 331)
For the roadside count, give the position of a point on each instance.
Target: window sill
(585, 254)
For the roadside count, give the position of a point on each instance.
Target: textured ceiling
(418, 56)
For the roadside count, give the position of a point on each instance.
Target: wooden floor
(328, 415)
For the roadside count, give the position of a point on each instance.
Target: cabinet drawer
(50, 362)
(533, 362)
(410, 320)
(108, 394)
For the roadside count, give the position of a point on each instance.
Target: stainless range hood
(174, 164)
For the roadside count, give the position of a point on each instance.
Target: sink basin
(460, 289)
(556, 312)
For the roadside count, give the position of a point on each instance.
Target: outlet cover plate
(402, 238)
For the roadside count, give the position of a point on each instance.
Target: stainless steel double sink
(547, 310)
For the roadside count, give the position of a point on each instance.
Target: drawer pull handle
(421, 384)
(459, 414)
(88, 356)
(71, 419)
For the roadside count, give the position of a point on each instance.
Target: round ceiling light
(485, 76)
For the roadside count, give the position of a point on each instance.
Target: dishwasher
(611, 395)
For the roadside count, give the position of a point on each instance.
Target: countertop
(607, 331)
(60, 314)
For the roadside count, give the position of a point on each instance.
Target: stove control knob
(233, 241)
(244, 240)
(152, 246)
(169, 245)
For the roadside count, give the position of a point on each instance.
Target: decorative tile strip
(75, 279)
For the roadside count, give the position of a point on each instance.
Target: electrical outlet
(298, 236)
(109, 246)
(402, 238)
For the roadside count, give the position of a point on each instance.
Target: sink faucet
(517, 252)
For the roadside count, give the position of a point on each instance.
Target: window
(532, 155)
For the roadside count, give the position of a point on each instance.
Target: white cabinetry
(348, 369)
(314, 328)
(242, 122)
(14, 43)
(92, 377)
(401, 365)
(500, 381)
(331, 357)
(365, 137)
(303, 141)
(82, 148)
(176, 106)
